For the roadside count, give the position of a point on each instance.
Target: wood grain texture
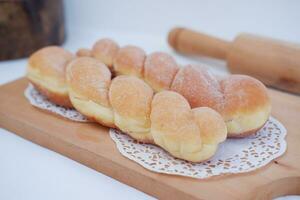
(91, 145)
(191, 42)
(274, 62)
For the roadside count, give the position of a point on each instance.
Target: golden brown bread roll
(199, 87)
(128, 104)
(105, 50)
(46, 71)
(182, 132)
(247, 105)
(131, 99)
(242, 101)
(88, 83)
(129, 61)
(159, 70)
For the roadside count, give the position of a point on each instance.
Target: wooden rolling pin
(274, 62)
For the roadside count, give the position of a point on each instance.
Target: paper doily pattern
(38, 100)
(233, 155)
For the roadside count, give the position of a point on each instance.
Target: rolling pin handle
(191, 42)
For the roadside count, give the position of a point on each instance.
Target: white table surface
(28, 171)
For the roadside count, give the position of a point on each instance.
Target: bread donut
(105, 50)
(46, 71)
(199, 87)
(178, 129)
(160, 70)
(242, 101)
(88, 83)
(247, 105)
(129, 61)
(131, 99)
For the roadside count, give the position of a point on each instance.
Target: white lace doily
(233, 155)
(38, 100)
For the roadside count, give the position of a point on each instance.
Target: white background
(28, 171)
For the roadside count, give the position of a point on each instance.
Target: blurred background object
(27, 25)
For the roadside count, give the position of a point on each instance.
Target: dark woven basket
(27, 25)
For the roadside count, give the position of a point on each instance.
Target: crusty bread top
(159, 70)
(51, 62)
(125, 90)
(243, 94)
(89, 78)
(129, 61)
(199, 87)
(105, 50)
(172, 115)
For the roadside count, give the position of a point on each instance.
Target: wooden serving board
(90, 144)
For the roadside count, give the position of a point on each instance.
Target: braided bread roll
(128, 103)
(130, 99)
(242, 100)
(105, 50)
(88, 83)
(46, 71)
